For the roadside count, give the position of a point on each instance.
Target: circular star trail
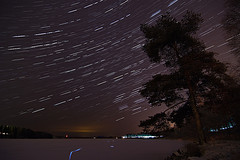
(78, 66)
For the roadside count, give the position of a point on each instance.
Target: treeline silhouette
(7, 131)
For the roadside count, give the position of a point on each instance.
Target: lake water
(87, 149)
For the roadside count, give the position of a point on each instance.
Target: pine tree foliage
(155, 124)
(196, 70)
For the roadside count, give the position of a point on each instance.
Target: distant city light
(230, 125)
(140, 136)
(4, 133)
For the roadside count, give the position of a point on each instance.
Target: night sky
(76, 67)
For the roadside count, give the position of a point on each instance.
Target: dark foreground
(87, 149)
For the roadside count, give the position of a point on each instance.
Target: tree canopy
(197, 79)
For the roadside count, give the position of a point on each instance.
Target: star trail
(77, 66)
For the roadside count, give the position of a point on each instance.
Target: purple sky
(77, 66)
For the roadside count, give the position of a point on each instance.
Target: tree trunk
(201, 136)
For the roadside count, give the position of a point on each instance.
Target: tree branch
(174, 106)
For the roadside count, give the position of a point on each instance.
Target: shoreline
(212, 150)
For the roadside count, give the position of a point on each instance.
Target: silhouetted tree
(155, 124)
(195, 72)
(230, 104)
(17, 132)
(162, 122)
(179, 116)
